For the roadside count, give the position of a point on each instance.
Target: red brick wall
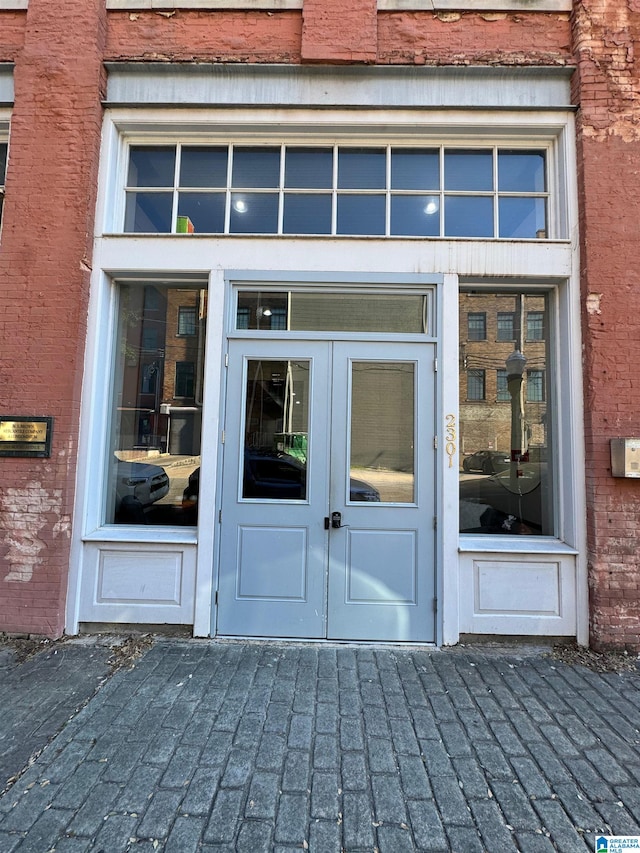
(325, 33)
(473, 38)
(182, 35)
(44, 273)
(12, 26)
(335, 31)
(608, 89)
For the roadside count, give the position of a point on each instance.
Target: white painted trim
(491, 257)
(208, 527)
(322, 87)
(517, 545)
(14, 4)
(476, 5)
(338, 259)
(218, 5)
(449, 477)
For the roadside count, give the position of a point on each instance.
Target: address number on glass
(451, 437)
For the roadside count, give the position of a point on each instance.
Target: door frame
(432, 286)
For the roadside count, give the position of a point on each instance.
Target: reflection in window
(276, 430)
(341, 189)
(185, 379)
(535, 386)
(535, 326)
(506, 326)
(382, 432)
(476, 326)
(509, 423)
(187, 320)
(475, 384)
(153, 461)
(502, 386)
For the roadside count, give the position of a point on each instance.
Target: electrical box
(625, 457)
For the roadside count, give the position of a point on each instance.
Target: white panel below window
(532, 595)
(148, 585)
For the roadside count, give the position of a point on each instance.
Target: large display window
(154, 451)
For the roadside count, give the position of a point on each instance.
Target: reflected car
(498, 504)
(486, 462)
(273, 476)
(137, 486)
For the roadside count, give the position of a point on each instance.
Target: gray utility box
(625, 457)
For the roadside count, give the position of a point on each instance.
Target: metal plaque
(22, 435)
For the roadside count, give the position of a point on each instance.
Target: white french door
(328, 495)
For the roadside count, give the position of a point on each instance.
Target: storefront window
(506, 428)
(154, 454)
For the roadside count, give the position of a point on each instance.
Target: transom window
(382, 191)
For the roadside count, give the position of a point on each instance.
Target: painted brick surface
(44, 269)
(335, 31)
(607, 89)
(181, 36)
(12, 28)
(454, 38)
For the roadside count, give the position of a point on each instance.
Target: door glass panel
(276, 430)
(382, 432)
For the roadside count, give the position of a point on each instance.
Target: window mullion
(334, 193)
(176, 184)
(281, 189)
(227, 204)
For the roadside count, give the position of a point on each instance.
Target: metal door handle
(336, 520)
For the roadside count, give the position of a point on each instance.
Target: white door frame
(428, 283)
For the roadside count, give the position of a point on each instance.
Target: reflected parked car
(500, 504)
(137, 486)
(272, 476)
(486, 462)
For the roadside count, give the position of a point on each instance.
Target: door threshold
(326, 642)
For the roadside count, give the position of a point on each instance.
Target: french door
(328, 495)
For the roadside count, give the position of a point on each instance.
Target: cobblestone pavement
(250, 747)
(38, 696)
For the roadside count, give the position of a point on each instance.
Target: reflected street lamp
(515, 364)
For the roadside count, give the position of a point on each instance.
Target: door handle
(333, 523)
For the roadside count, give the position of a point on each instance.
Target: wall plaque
(22, 435)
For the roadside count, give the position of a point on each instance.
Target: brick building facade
(112, 112)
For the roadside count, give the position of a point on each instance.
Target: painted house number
(450, 437)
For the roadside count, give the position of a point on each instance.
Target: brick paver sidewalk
(250, 747)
